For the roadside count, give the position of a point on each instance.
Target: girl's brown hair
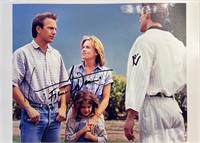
(85, 97)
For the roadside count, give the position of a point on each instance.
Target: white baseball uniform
(156, 63)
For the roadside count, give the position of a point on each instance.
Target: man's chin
(51, 40)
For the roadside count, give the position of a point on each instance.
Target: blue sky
(116, 29)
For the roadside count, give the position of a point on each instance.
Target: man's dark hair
(39, 19)
(159, 11)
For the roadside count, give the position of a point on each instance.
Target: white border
(193, 71)
(193, 62)
(6, 59)
(1, 45)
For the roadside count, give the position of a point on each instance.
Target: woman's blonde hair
(96, 43)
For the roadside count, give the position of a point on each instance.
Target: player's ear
(38, 29)
(148, 16)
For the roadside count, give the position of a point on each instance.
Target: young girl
(78, 127)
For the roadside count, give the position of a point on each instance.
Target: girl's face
(86, 109)
(88, 52)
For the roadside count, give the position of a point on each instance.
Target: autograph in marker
(80, 82)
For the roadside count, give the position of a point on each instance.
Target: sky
(111, 23)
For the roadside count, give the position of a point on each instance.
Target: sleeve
(18, 67)
(140, 61)
(70, 72)
(101, 132)
(64, 77)
(108, 79)
(70, 134)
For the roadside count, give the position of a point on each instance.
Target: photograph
(101, 72)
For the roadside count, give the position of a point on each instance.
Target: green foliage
(180, 96)
(16, 139)
(16, 111)
(116, 107)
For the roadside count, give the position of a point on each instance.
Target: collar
(83, 66)
(36, 46)
(156, 27)
(79, 117)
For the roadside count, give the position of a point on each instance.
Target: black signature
(54, 95)
(76, 88)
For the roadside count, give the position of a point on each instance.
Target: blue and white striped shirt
(94, 82)
(37, 75)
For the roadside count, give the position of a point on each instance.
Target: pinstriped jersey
(156, 63)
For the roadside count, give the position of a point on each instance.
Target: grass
(16, 139)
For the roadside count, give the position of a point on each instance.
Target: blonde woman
(91, 75)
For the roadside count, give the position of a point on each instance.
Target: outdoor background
(116, 25)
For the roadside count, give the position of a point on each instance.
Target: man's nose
(54, 31)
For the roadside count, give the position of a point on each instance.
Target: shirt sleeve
(18, 67)
(101, 132)
(140, 61)
(70, 134)
(108, 79)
